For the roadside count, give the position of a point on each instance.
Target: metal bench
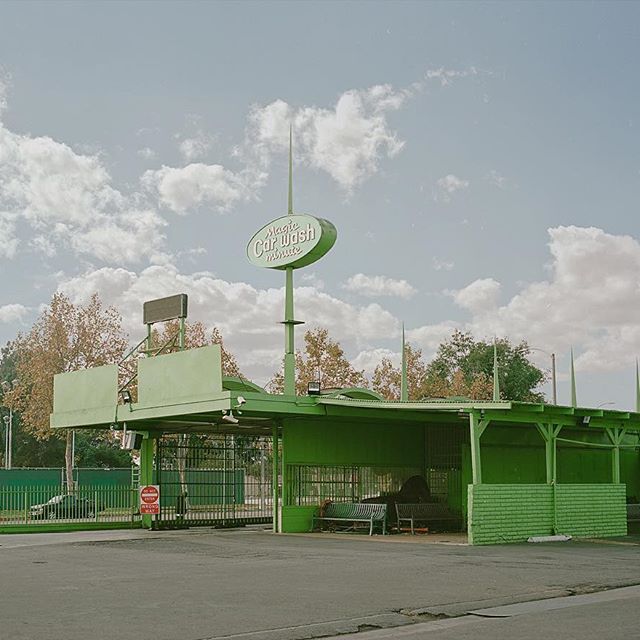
(426, 512)
(354, 512)
(633, 512)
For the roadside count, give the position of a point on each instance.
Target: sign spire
(637, 388)
(404, 390)
(290, 208)
(496, 377)
(574, 400)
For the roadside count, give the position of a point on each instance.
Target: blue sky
(480, 161)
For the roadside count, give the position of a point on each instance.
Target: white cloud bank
(375, 286)
(11, 313)
(66, 200)
(248, 317)
(591, 301)
(347, 141)
(185, 188)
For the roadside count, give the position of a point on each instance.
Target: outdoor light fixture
(586, 420)
(230, 418)
(313, 388)
(125, 394)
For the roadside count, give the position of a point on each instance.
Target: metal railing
(38, 505)
(311, 484)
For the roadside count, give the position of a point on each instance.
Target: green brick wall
(592, 510)
(499, 513)
(509, 512)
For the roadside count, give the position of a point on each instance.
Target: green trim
(62, 527)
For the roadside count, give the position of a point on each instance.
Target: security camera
(241, 401)
(230, 418)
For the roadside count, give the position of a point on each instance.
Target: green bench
(425, 512)
(344, 512)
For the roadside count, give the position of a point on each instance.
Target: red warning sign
(150, 499)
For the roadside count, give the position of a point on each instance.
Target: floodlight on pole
(8, 423)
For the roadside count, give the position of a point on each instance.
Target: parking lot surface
(249, 583)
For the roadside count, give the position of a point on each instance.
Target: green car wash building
(505, 471)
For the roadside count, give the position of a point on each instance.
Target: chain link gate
(214, 480)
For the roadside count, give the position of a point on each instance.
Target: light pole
(8, 425)
(553, 372)
(7, 440)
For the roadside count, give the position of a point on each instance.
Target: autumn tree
(66, 337)
(165, 338)
(323, 361)
(464, 366)
(386, 377)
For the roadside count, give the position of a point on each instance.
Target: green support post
(574, 397)
(404, 389)
(496, 374)
(289, 321)
(476, 428)
(276, 493)
(289, 342)
(616, 435)
(549, 433)
(181, 333)
(146, 470)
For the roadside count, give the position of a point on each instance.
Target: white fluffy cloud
(248, 317)
(67, 199)
(447, 186)
(181, 189)
(12, 313)
(5, 80)
(346, 141)
(591, 301)
(195, 147)
(374, 286)
(446, 77)
(369, 359)
(478, 297)
(429, 337)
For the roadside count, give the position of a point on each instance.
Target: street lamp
(553, 372)
(8, 426)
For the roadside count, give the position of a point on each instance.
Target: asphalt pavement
(208, 584)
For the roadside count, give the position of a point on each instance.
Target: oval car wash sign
(291, 241)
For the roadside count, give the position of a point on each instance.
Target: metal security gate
(214, 480)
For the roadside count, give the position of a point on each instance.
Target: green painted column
(404, 389)
(476, 429)
(549, 433)
(146, 470)
(616, 435)
(289, 341)
(275, 480)
(181, 333)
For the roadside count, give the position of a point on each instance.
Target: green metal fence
(311, 484)
(214, 480)
(40, 505)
